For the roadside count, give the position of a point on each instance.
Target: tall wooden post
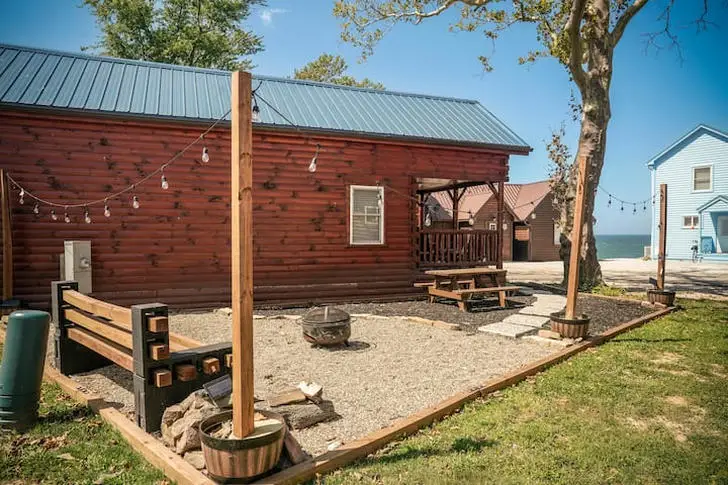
(7, 237)
(455, 196)
(499, 222)
(242, 253)
(572, 288)
(663, 238)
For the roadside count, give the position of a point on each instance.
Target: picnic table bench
(463, 283)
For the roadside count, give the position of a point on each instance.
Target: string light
(107, 211)
(135, 202)
(634, 209)
(256, 110)
(66, 217)
(471, 219)
(644, 206)
(428, 219)
(86, 216)
(205, 155)
(36, 209)
(622, 207)
(22, 194)
(609, 202)
(165, 184)
(533, 215)
(54, 217)
(312, 165)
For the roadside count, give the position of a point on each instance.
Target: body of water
(621, 246)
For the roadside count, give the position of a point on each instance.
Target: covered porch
(459, 245)
(713, 226)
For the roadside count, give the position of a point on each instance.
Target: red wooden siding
(176, 247)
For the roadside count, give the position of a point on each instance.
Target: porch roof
(714, 201)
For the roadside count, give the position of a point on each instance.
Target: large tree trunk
(596, 112)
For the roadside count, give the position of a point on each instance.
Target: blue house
(695, 169)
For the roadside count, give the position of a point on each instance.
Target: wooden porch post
(455, 207)
(663, 238)
(572, 288)
(242, 253)
(7, 237)
(499, 228)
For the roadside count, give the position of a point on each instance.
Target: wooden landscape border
(362, 447)
(177, 469)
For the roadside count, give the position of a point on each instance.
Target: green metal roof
(41, 78)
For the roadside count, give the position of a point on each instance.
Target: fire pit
(326, 326)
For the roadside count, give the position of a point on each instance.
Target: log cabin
(76, 128)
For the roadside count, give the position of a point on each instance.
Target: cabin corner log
(90, 333)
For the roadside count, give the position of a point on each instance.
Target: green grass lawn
(650, 407)
(71, 445)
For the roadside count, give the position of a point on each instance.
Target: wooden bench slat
(495, 289)
(102, 346)
(97, 307)
(100, 327)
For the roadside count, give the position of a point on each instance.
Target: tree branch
(573, 26)
(624, 20)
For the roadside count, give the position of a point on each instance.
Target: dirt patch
(718, 371)
(676, 400)
(667, 358)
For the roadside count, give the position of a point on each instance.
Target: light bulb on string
(21, 200)
(256, 111)
(107, 211)
(205, 153)
(66, 217)
(622, 208)
(644, 206)
(54, 217)
(428, 219)
(135, 202)
(609, 202)
(312, 165)
(634, 208)
(36, 209)
(165, 184)
(86, 216)
(471, 218)
(533, 215)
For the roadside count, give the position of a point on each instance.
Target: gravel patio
(393, 367)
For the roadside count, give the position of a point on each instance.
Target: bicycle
(694, 248)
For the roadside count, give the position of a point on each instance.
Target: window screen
(701, 178)
(690, 222)
(366, 219)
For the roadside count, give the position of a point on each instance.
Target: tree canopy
(201, 33)
(329, 68)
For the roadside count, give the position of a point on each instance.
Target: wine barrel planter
(242, 460)
(664, 297)
(570, 327)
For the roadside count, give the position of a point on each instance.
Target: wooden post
(499, 222)
(7, 237)
(455, 208)
(572, 288)
(663, 238)
(242, 253)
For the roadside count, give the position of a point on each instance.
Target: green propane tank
(21, 371)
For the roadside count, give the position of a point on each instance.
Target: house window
(691, 222)
(702, 178)
(492, 226)
(366, 215)
(557, 234)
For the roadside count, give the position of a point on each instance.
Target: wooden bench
(428, 284)
(463, 296)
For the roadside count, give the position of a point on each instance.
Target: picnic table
(463, 283)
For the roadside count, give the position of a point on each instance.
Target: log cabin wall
(176, 247)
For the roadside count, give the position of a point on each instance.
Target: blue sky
(655, 98)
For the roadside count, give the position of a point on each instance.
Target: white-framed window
(557, 234)
(703, 178)
(691, 222)
(366, 214)
(492, 226)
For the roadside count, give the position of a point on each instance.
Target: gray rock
(190, 440)
(172, 414)
(195, 458)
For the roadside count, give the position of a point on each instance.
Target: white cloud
(266, 15)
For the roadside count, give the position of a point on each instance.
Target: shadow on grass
(459, 445)
(64, 415)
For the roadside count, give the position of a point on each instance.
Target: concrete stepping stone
(540, 311)
(507, 329)
(535, 321)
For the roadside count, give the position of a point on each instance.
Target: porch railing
(450, 247)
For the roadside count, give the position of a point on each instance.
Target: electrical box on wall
(77, 264)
